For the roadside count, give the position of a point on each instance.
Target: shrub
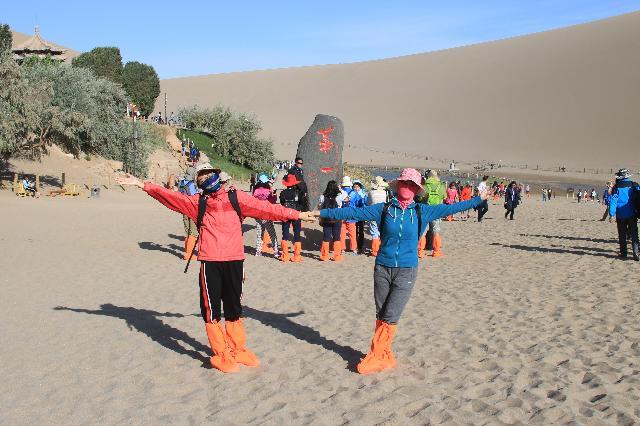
(235, 135)
(142, 85)
(6, 38)
(105, 62)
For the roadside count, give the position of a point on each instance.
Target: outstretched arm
(260, 209)
(430, 213)
(181, 203)
(373, 212)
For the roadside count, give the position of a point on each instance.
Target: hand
(309, 216)
(129, 180)
(485, 195)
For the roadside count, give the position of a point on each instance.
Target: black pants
(483, 208)
(510, 211)
(221, 285)
(331, 231)
(296, 230)
(360, 236)
(628, 227)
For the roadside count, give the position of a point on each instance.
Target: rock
(556, 395)
(587, 377)
(598, 397)
(321, 150)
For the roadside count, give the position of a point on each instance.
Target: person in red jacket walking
(221, 253)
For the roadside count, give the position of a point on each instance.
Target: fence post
(64, 179)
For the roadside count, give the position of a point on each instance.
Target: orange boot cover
(189, 246)
(353, 239)
(266, 240)
(422, 246)
(380, 357)
(237, 341)
(337, 251)
(297, 251)
(343, 236)
(284, 256)
(222, 358)
(437, 245)
(324, 251)
(375, 246)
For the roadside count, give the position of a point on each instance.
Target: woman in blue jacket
(396, 266)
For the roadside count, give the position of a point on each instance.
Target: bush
(105, 62)
(6, 38)
(235, 136)
(142, 85)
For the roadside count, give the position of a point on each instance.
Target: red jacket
(221, 232)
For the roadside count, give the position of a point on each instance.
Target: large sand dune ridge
(564, 97)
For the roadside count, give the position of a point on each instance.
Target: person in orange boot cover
(218, 212)
(400, 222)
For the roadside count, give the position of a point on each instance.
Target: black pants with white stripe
(221, 289)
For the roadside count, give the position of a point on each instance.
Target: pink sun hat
(411, 175)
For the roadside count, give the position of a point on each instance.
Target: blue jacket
(399, 245)
(606, 197)
(621, 204)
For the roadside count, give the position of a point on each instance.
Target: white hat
(224, 177)
(346, 181)
(201, 167)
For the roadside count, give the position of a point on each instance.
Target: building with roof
(25, 46)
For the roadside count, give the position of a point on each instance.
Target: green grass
(203, 142)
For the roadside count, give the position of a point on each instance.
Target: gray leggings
(391, 289)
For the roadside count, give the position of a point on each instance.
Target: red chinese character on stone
(325, 143)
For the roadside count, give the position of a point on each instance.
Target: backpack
(291, 198)
(328, 203)
(186, 187)
(385, 210)
(346, 203)
(202, 209)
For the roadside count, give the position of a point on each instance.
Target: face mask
(212, 184)
(405, 192)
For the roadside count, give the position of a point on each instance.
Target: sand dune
(563, 97)
(530, 321)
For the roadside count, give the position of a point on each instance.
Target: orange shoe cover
(437, 245)
(237, 341)
(284, 256)
(324, 251)
(422, 244)
(297, 251)
(375, 246)
(222, 358)
(266, 240)
(337, 251)
(189, 246)
(380, 357)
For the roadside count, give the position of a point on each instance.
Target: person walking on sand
(625, 206)
(187, 186)
(483, 208)
(466, 195)
(331, 198)
(452, 196)
(292, 197)
(358, 199)
(401, 222)
(218, 211)
(378, 194)
(606, 200)
(434, 194)
(348, 227)
(262, 191)
(511, 199)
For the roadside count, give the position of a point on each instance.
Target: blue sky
(182, 38)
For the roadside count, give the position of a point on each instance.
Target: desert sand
(526, 321)
(566, 97)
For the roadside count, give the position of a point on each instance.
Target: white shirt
(339, 199)
(482, 187)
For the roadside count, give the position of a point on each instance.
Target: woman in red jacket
(221, 252)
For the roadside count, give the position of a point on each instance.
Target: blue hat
(263, 178)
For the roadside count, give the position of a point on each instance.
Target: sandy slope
(564, 97)
(529, 321)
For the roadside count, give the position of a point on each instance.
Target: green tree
(105, 62)
(6, 38)
(142, 84)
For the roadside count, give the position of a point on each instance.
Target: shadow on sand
(150, 323)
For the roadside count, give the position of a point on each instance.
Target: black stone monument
(321, 150)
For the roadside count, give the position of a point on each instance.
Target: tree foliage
(142, 84)
(6, 38)
(105, 62)
(235, 135)
(43, 104)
